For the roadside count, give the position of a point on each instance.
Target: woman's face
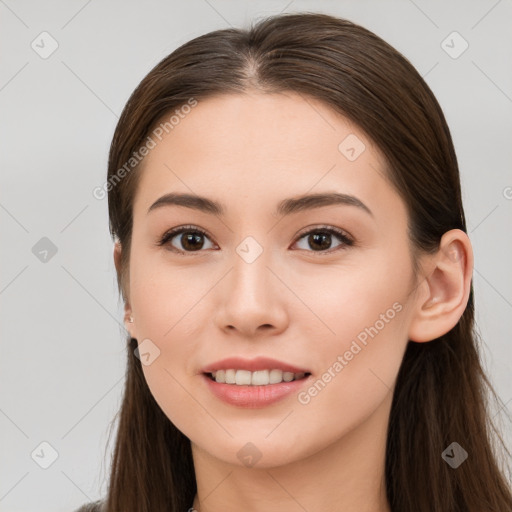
(269, 279)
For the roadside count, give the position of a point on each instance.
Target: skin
(249, 152)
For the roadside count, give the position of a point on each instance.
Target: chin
(253, 451)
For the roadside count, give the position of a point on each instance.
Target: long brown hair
(442, 393)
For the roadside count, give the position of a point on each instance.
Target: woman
(292, 253)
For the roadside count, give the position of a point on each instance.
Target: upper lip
(258, 363)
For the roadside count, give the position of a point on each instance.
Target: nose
(251, 300)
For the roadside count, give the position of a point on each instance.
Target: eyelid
(324, 227)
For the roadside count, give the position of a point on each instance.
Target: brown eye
(320, 239)
(191, 239)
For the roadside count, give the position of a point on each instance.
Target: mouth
(260, 392)
(269, 377)
(254, 383)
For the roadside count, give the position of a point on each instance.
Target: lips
(252, 365)
(239, 393)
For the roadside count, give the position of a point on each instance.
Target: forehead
(247, 149)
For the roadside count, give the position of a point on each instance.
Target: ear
(127, 308)
(443, 294)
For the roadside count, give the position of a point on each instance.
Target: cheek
(357, 376)
(362, 337)
(167, 300)
(353, 301)
(169, 308)
(361, 363)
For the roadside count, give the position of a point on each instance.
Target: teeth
(242, 377)
(257, 378)
(260, 378)
(275, 376)
(230, 376)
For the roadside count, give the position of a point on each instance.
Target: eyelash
(343, 237)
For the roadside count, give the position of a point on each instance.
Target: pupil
(320, 237)
(190, 240)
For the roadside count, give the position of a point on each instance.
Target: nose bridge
(249, 297)
(250, 273)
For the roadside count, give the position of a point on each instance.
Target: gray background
(62, 339)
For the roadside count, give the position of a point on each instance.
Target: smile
(256, 378)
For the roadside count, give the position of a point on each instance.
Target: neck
(348, 476)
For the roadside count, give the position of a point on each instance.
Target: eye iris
(190, 238)
(323, 238)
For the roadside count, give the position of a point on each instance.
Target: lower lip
(253, 397)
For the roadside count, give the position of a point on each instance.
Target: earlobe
(128, 319)
(445, 289)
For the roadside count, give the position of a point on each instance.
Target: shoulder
(96, 506)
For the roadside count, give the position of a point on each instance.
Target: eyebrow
(285, 207)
